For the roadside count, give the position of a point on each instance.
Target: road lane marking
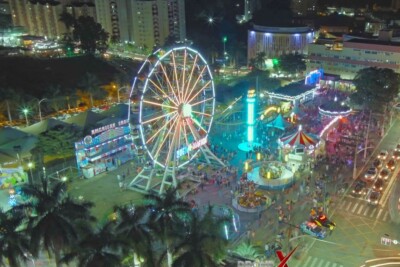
(334, 265)
(379, 213)
(360, 209)
(373, 213)
(307, 261)
(313, 262)
(341, 204)
(366, 211)
(327, 264)
(348, 206)
(385, 216)
(320, 264)
(354, 208)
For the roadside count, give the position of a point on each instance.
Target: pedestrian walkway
(318, 262)
(361, 207)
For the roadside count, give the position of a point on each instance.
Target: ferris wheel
(177, 102)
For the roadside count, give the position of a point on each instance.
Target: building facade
(78, 9)
(277, 41)
(39, 18)
(143, 22)
(348, 57)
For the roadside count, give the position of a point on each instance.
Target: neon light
(250, 113)
(185, 150)
(251, 94)
(329, 125)
(250, 134)
(226, 231)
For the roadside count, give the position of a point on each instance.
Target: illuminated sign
(108, 127)
(184, 150)
(251, 93)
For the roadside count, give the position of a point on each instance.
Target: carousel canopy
(279, 123)
(299, 138)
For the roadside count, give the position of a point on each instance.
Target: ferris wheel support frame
(143, 182)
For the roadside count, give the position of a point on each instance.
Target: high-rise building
(39, 18)
(144, 22)
(5, 15)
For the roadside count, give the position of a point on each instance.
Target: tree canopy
(90, 34)
(291, 63)
(375, 86)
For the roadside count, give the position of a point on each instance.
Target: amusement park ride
(177, 104)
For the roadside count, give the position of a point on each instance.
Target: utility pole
(367, 135)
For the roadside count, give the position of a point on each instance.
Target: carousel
(298, 147)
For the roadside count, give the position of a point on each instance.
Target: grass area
(34, 75)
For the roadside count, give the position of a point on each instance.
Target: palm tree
(91, 84)
(132, 225)
(14, 242)
(204, 244)
(53, 222)
(10, 98)
(166, 217)
(247, 251)
(98, 247)
(260, 60)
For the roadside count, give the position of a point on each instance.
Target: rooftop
(294, 89)
(288, 30)
(373, 41)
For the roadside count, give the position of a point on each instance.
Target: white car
(383, 155)
(370, 175)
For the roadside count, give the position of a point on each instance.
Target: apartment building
(348, 56)
(144, 22)
(39, 18)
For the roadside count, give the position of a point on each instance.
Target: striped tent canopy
(299, 138)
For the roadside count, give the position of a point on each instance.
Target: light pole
(26, 111)
(367, 135)
(40, 111)
(123, 87)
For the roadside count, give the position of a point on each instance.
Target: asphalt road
(360, 226)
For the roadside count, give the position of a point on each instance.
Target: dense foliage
(50, 220)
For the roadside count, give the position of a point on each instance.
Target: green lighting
(275, 61)
(224, 39)
(25, 111)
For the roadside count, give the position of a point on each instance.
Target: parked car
(373, 197)
(377, 163)
(396, 155)
(397, 148)
(359, 188)
(391, 164)
(378, 185)
(371, 174)
(384, 174)
(383, 155)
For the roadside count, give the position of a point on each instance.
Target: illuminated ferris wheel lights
(163, 127)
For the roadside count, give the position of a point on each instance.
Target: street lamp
(26, 111)
(40, 111)
(123, 87)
